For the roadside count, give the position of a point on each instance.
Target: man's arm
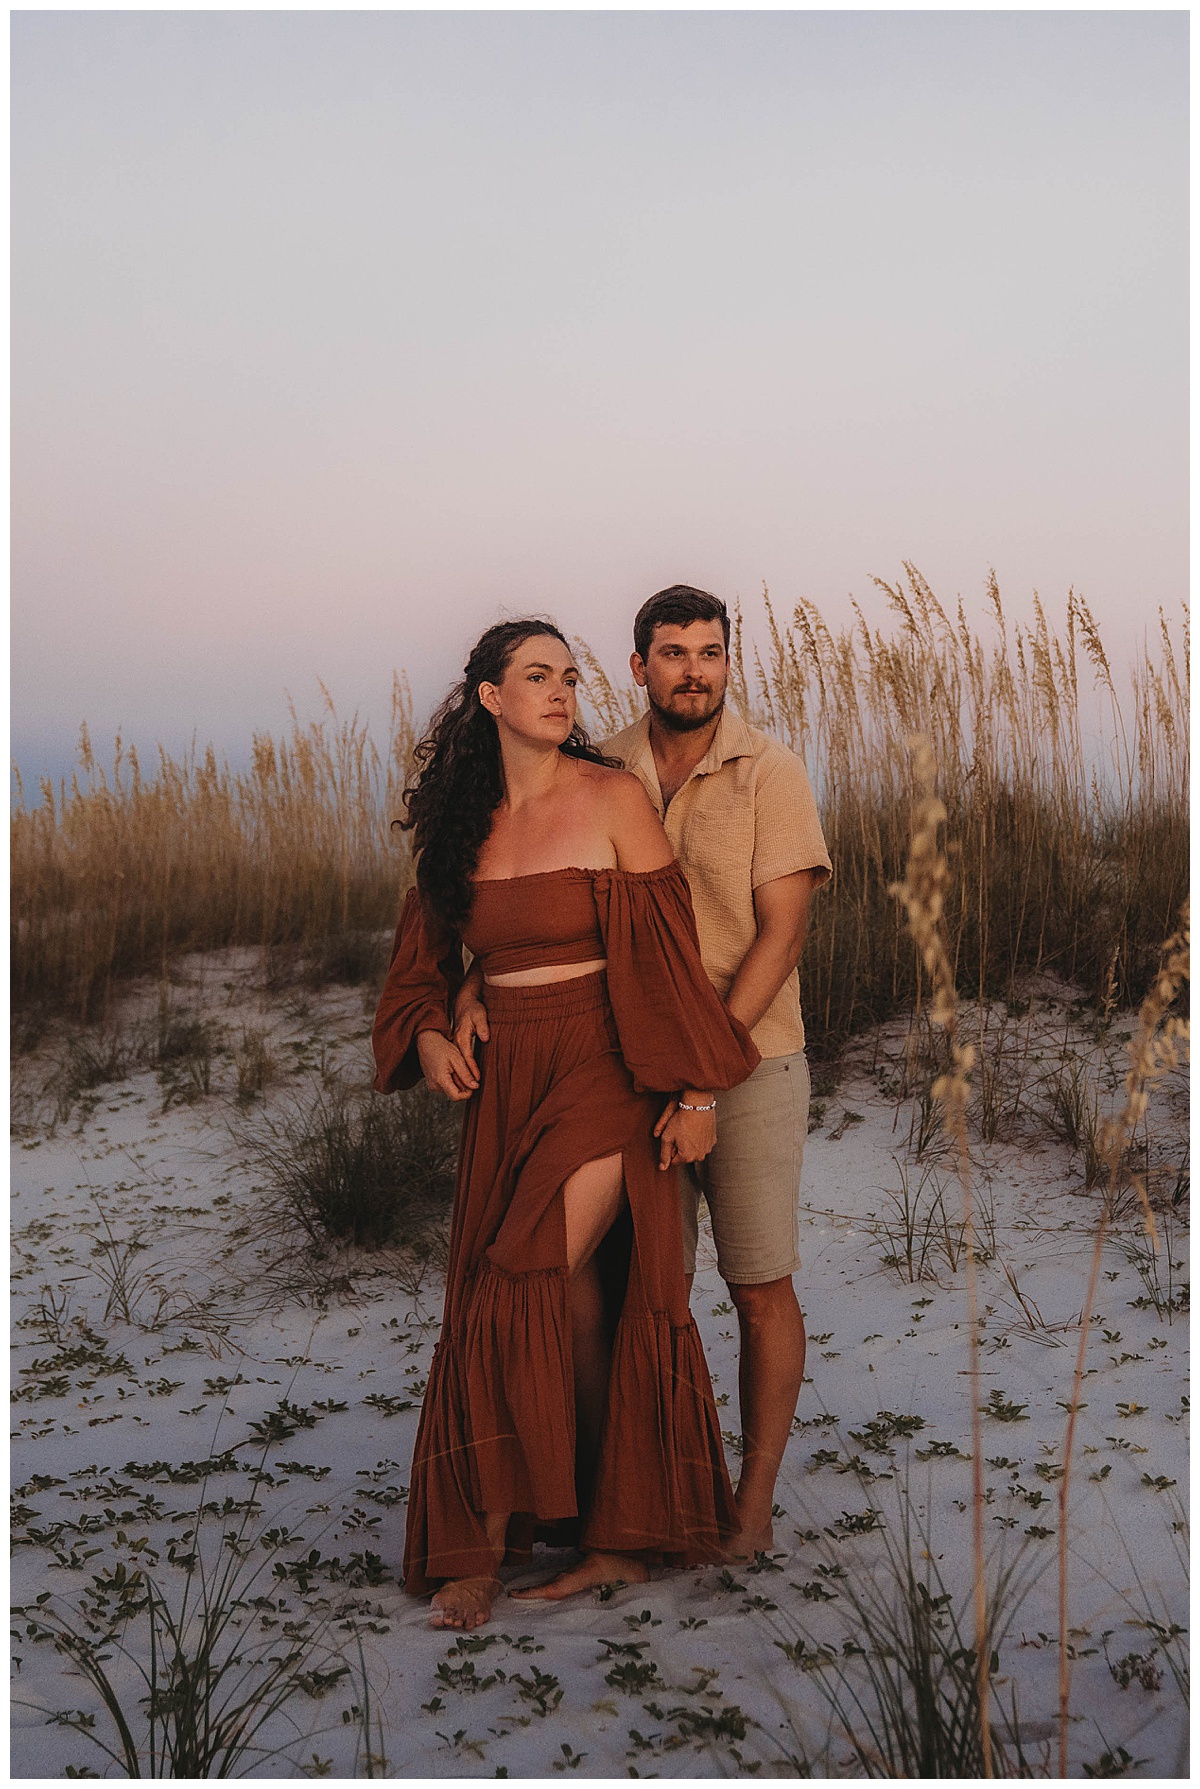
(781, 912)
(470, 1013)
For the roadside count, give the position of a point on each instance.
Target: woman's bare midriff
(536, 978)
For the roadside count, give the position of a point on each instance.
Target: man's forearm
(764, 969)
(781, 910)
(472, 987)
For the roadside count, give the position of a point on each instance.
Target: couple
(569, 1397)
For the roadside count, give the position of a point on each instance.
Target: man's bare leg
(467, 1602)
(770, 1374)
(592, 1199)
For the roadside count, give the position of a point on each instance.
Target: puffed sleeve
(674, 1031)
(425, 975)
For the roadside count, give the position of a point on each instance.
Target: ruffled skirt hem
(496, 1439)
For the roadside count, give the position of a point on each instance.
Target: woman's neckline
(571, 870)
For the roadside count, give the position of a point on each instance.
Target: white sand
(724, 1698)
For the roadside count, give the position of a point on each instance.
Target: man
(739, 810)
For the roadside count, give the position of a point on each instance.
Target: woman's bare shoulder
(619, 790)
(633, 826)
(604, 776)
(616, 789)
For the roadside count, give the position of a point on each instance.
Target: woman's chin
(551, 732)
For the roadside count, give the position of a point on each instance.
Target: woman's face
(536, 697)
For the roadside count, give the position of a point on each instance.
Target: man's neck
(677, 754)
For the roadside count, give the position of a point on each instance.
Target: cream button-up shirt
(745, 816)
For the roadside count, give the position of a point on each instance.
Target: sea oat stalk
(923, 896)
(1155, 1048)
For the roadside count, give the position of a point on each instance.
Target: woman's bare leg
(592, 1357)
(592, 1200)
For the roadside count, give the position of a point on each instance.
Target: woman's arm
(642, 844)
(414, 1007)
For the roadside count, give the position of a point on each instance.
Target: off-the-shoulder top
(673, 1029)
(531, 922)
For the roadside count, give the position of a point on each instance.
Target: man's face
(684, 673)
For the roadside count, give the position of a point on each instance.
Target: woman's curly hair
(459, 779)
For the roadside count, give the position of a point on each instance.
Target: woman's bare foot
(595, 1568)
(465, 1602)
(750, 1541)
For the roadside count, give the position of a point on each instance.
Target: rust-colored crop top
(534, 922)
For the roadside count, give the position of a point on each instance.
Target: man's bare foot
(595, 1568)
(465, 1602)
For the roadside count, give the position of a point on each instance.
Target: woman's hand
(445, 1067)
(470, 1014)
(686, 1136)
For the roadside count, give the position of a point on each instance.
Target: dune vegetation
(1066, 794)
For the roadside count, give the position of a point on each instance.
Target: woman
(569, 1394)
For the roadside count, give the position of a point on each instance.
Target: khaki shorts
(751, 1181)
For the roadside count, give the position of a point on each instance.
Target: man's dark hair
(677, 607)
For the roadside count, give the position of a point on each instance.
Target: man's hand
(445, 1067)
(470, 1014)
(686, 1136)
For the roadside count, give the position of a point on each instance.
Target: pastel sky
(338, 334)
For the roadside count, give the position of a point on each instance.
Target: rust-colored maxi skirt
(497, 1430)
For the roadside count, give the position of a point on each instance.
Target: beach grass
(1065, 793)
(118, 871)
(1066, 796)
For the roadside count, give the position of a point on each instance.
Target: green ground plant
(187, 1687)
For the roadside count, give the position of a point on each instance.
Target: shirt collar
(731, 740)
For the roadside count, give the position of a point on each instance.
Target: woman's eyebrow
(566, 673)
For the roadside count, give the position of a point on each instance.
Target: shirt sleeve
(673, 1030)
(787, 828)
(425, 975)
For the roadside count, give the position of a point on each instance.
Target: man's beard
(685, 723)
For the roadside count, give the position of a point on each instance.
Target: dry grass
(343, 1166)
(116, 873)
(922, 894)
(1070, 816)
(1067, 798)
(1157, 1046)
